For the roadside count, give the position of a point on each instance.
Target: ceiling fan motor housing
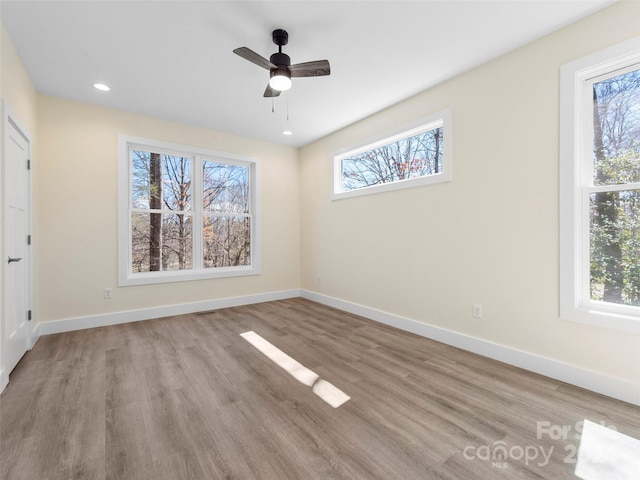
(280, 59)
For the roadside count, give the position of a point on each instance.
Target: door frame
(9, 117)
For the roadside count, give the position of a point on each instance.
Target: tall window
(184, 213)
(600, 214)
(415, 156)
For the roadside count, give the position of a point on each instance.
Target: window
(417, 155)
(600, 188)
(184, 213)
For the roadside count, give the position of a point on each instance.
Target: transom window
(184, 213)
(600, 188)
(417, 155)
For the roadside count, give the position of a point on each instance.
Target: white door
(16, 334)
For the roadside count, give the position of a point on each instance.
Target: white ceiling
(174, 60)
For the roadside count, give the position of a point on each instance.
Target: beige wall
(489, 237)
(16, 87)
(76, 212)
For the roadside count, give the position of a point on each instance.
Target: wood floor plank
(187, 397)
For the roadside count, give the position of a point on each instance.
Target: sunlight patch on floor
(605, 454)
(325, 390)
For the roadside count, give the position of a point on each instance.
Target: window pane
(177, 242)
(412, 157)
(161, 242)
(616, 129)
(160, 182)
(226, 241)
(226, 188)
(615, 246)
(214, 185)
(140, 178)
(176, 183)
(238, 189)
(140, 227)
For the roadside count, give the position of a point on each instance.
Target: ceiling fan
(279, 65)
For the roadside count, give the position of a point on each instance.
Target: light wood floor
(187, 398)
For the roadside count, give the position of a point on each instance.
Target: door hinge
(28, 239)
(29, 315)
(29, 164)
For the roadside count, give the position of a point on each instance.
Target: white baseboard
(92, 321)
(597, 382)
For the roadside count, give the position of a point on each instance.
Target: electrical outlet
(476, 311)
(108, 293)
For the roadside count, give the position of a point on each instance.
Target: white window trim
(441, 119)
(125, 276)
(575, 302)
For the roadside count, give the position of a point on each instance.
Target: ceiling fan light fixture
(280, 68)
(280, 79)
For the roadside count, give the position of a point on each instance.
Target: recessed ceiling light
(102, 87)
(287, 132)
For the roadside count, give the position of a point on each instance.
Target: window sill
(387, 187)
(627, 322)
(150, 278)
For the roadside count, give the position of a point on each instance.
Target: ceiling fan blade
(253, 57)
(310, 69)
(270, 92)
